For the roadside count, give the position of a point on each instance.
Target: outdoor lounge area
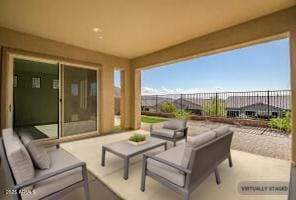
(108, 179)
(64, 136)
(246, 166)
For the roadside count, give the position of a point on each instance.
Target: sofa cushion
(59, 160)
(222, 130)
(174, 124)
(200, 139)
(39, 155)
(173, 175)
(26, 138)
(167, 133)
(18, 157)
(193, 142)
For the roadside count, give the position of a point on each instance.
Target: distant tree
(214, 107)
(167, 107)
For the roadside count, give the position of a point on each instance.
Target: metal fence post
(156, 99)
(268, 105)
(181, 101)
(216, 104)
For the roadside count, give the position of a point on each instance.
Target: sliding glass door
(48, 99)
(79, 100)
(36, 98)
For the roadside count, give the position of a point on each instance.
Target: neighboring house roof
(186, 104)
(151, 101)
(239, 102)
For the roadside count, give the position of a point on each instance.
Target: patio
(107, 181)
(247, 167)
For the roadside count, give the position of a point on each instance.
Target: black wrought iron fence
(254, 104)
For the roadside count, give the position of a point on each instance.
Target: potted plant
(137, 139)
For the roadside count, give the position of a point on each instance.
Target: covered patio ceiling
(130, 28)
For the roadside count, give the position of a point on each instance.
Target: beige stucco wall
(39, 47)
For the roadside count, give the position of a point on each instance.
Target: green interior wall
(33, 106)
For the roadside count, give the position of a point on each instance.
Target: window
(232, 113)
(74, 89)
(93, 89)
(36, 82)
(55, 84)
(250, 113)
(15, 81)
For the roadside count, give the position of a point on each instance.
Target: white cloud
(164, 90)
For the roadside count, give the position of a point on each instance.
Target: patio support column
(293, 92)
(106, 99)
(135, 98)
(125, 111)
(1, 56)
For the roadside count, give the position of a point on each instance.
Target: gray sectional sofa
(184, 167)
(36, 173)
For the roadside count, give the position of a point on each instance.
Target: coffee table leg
(103, 156)
(126, 167)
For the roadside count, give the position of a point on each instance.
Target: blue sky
(259, 67)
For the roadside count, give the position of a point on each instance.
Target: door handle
(10, 107)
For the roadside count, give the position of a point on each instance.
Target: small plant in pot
(137, 139)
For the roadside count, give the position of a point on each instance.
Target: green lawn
(151, 120)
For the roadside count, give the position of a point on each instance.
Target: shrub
(183, 114)
(214, 107)
(167, 107)
(137, 138)
(282, 123)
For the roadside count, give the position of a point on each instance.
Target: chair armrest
(46, 176)
(181, 129)
(187, 171)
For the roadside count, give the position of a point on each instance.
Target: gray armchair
(65, 173)
(172, 130)
(184, 167)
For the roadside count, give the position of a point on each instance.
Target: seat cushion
(174, 124)
(18, 157)
(222, 130)
(59, 160)
(173, 175)
(193, 142)
(166, 133)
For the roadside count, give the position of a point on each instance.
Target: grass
(151, 120)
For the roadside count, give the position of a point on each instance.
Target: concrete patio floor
(247, 167)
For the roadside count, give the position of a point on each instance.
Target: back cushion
(18, 157)
(222, 130)
(175, 124)
(193, 142)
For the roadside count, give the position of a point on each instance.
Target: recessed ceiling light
(96, 30)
